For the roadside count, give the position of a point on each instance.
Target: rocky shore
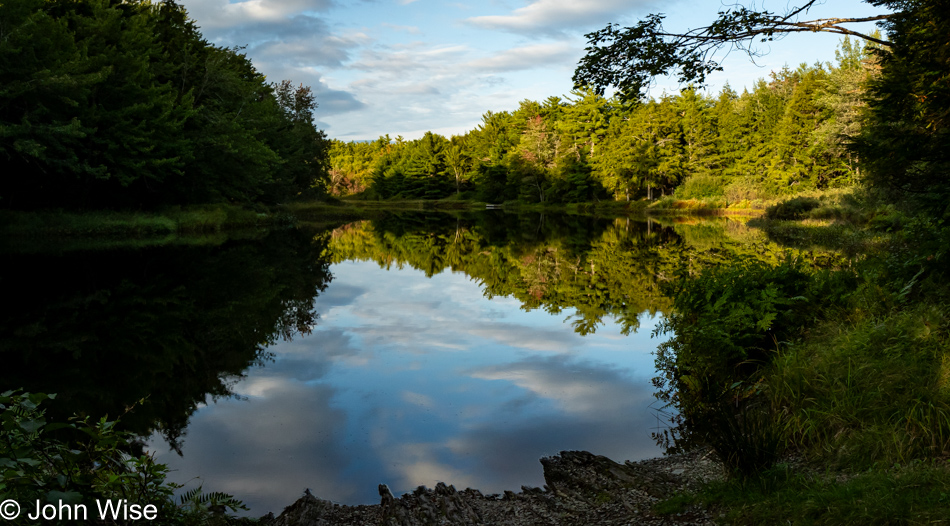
(580, 488)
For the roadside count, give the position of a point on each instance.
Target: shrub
(727, 324)
(745, 189)
(699, 186)
(795, 208)
(889, 219)
(81, 460)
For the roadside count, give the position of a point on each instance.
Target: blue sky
(403, 67)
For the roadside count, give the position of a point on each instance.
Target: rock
(580, 488)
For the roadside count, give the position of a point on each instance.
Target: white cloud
(242, 448)
(378, 77)
(527, 57)
(223, 14)
(554, 17)
(417, 464)
(416, 56)
(578, 388)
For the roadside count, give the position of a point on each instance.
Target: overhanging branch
(629, 58)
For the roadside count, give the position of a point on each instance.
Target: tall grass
(868, 388)
(745, 436)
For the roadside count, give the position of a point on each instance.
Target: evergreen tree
(906, 143)
(699, 133)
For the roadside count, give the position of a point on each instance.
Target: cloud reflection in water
(408, 380)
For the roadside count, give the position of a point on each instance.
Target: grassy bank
(849, 369)
(703, 207)
(353, 209)
(57, 230)
(173, 223)
(189, 220)
(612, 208)
(914, 493)
(835, 203)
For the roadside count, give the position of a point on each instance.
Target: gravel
(580, 488)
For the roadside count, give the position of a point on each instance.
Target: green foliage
(746, 436)
(209, 508)
(869, 383)
(786, 136)
(698, 186)
(122, 105)
(905, 142)
(728, 325)
(794, 208)
(79, 460)
(848, 367)
(492, 182)
(742, 311)
(170, 222)
(859, 386)
(869, 390)
(745, 189)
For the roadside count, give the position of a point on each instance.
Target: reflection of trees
(598, 267)
(171, 325)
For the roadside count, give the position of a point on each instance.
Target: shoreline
(580, 488)
(158, 226)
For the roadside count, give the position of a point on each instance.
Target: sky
(404, 67)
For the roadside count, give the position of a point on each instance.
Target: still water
(408, 380)
(407, 350)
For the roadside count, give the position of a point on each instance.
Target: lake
(407, 350)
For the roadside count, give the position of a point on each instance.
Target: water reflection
(447, 348)
(411, 380)
(593, 266)
(160, 329)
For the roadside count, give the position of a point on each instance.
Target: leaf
(32, 426)
(190, 495)
(38, 398)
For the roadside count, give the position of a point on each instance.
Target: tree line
(124, 104)
(902, 139)
(786, 134)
